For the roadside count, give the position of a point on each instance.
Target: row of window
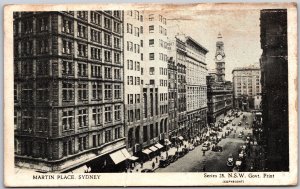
(136, 14)
(133, 65)
(160, 18)
(133, 98)
(131, 80)
(133, 115)
(163, 83)
(82, 49)
(133, 47)
(136, 31)
(111, 91)
(41, 148)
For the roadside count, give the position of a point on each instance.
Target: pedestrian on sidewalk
(153, 165)
(142, 164)
(156, 159)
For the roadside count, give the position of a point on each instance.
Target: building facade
(274, 80)
(68, 86)
(219, 99)
(177, 81)
(247, 87)
(133, 72)
(196, 72)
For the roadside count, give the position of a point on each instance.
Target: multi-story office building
(68, 86)
(274, 80)
(155, 87)
(196, 72)
(172, 97)
(133, 74)
(219, 98)
(146, 88)
(177, 79)
(247, 87)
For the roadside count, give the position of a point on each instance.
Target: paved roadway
(214, 161)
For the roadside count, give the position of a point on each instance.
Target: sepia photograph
(145, 90)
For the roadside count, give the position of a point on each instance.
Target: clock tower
(220, 59)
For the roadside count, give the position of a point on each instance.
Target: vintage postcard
(150, 95)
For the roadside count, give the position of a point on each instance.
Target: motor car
(205, 148)
(242, 154)
(247, 123)
(172, 158)
(179, 154)
(192, 147)
(206, 144)
(236, 169)
(242, 132)
(240, 135)
(227, 128)
(217, 148)
(240, 123)
(243, 147)
(230, 161)
(233, 124)
(147, 171)
(185, 150)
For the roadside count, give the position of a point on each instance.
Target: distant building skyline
(241, 37)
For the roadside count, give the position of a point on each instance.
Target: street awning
(147, 151)
(117, 157)
(159, 146)
(153, 148)
(167, 142)
(126, 153)
(180, 138)
(133, 158)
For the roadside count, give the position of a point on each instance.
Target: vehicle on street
(192, 147)
(247, 123)
(217, 148)
(147, 171)
(236, 169)
(206, 144)
(240, 123)
(227, 128)
(230, 161)
(172, 158)
(179, 154)
(205, 148)
(240, 135)
(233, 124)
(185, 150)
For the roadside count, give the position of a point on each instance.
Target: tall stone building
(146, 90)
(133, 76)
(68, 86)
(219, 98)
(196, 72)
(247, 87)
(177, 86)
(274, 80)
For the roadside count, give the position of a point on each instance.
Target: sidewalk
(148, 164)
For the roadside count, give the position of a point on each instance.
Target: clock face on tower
(219, 57)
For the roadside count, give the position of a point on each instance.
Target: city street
(194, 161)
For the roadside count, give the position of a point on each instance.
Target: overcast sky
(239, 28)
